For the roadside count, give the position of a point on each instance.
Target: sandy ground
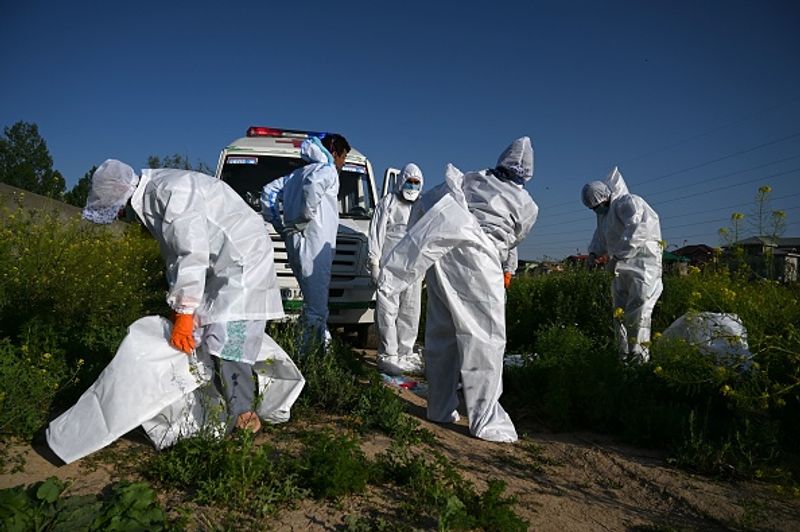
(574, 481)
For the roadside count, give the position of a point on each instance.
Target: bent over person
(628, 230)
(219, 265)
(461, 232)
(388, 226)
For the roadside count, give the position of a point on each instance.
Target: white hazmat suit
(388, 226)
(462, 231)
(309, 224)
(219, 263)
(628, 230)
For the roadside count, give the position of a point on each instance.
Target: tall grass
(715, 418)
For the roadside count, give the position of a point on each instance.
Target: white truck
(265, 154)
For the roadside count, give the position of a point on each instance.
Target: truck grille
(345, 261)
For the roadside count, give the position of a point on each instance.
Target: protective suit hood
(312, 151)
(410, 192)
(113, 183)
(612, 187)
(517, 160)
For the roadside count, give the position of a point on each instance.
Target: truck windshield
(247, 175)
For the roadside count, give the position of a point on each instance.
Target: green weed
(40, 506)
(230, 472)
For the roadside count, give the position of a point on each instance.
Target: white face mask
(410, 195)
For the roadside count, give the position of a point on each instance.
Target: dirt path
(576, 481)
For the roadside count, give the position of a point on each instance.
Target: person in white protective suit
(220, 267)
(461, 231)
(388, 226)
(628, 230)
(309, 223)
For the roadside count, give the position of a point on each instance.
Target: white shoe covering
(397, 365)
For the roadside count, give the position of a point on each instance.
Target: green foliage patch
(722, 419)
(68, 292)
(41, 506)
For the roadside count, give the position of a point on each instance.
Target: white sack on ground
(721, 335)
(152, 384)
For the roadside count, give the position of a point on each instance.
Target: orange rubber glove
(507, 279)
(182, 333)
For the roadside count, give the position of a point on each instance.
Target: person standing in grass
(460, 232)
(220, 266)
(629, 231)
(304, 208)
(399, 333)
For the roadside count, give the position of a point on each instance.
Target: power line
(732, 206)
(713, 130)
(664, 228)
(772, 176)
(722, 176)
(718, 159)
(706, 163)
(748, 182)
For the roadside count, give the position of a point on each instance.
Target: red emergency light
(259, 131)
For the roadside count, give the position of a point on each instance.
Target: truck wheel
(367, 336)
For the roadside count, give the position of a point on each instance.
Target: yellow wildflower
(618, 313)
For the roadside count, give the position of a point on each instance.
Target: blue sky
(697, 102)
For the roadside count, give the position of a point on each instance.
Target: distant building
(698, 254)
(773, 258)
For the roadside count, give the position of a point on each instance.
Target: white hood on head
(517, 159)
(312, 151)
(410, 170)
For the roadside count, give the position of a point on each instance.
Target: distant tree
(178, 161)
(77, 195)
(26, 163)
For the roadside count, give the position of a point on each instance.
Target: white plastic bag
(170, 394)
(723, 336)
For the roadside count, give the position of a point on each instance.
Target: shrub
(31, 376)
(332, 466)
(234, 473)
(713, 418)
(73, 286)
(575, 298)
(570, 382)
(436, 490)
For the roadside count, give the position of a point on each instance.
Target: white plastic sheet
(723, 336)
(170, 394)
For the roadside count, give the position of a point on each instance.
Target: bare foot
(248, 421)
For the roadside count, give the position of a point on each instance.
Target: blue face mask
(408, 185)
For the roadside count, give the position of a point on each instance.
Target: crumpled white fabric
(723, 336)
(170, 394)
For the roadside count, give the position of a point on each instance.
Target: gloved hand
(507, 279)
(182, 333)
(375, 271)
